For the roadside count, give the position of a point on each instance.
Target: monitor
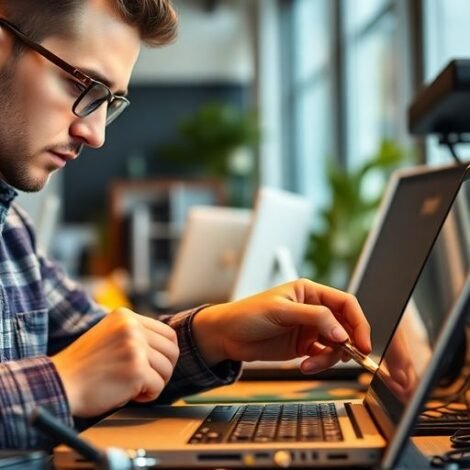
(277, 241)
(208, 256)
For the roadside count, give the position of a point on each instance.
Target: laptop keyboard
(288, 422)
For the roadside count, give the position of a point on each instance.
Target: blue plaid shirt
(43, 311)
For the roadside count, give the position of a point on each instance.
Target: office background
(329, 79)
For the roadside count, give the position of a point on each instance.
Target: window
(348, 86)
(310, 95)
(446, 37)
(376, 76)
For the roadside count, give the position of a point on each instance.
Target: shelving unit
(146, 221)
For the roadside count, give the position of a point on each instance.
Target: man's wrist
(71, 392)
(208, 336)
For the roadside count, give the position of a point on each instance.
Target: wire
(460, 454)
(445, 140)
(452, 410)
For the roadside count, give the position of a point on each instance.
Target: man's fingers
(345, 307)
(164, 345)
(161, 365)
(151, 389)
(327, 358)
(154, 376)
(361, 338)
(319, 317)
(157, 327)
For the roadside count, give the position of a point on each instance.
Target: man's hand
(124, 357)
(293, 320)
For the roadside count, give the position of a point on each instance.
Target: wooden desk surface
(432, 445)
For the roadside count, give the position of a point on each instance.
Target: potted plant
(334, 248)
(218, 140)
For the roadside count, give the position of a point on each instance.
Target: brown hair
(156, 20)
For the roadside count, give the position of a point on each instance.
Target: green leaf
(347, 219)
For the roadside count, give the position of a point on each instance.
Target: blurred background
(309, 96)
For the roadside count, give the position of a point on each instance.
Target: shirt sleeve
(25, 385)
(192, 374)
(71, 311)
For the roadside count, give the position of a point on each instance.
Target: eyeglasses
(93, 93)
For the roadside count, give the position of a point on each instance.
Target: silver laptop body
(371, 432)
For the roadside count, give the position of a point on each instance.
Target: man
(64, 71)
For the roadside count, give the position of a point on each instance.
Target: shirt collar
(7, 195)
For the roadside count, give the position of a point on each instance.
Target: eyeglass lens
(94, 97)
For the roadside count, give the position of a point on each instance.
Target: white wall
(211, 46)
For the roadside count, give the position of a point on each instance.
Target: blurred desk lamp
(443, 107)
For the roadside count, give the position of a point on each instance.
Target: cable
(451, 148)
(50, 426)
(445, 140)
(452, 410)
(459, 455)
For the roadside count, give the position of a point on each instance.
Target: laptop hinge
(373, 418)
(354, 423)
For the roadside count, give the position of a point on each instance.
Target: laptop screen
(411, 347)
(412, 212)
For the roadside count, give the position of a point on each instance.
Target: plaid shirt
(43, 311)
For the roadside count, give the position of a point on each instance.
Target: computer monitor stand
(284, 269)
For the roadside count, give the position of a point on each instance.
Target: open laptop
(412, 211)
(365, 432)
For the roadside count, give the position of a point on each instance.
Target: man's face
(38, 131)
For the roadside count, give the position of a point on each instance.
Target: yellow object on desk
(110, 292)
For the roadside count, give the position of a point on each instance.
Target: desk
(432, 445)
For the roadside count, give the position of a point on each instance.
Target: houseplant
(334, 247)
(218, 140)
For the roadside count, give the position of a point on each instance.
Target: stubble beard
(14, 158)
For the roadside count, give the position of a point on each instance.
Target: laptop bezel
(445, 344)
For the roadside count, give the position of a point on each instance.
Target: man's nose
(91, 129)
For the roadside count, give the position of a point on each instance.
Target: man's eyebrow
(101, 78)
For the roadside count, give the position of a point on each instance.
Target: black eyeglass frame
(82, 77)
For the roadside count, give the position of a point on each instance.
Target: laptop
(366, 432)
(412, 211)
